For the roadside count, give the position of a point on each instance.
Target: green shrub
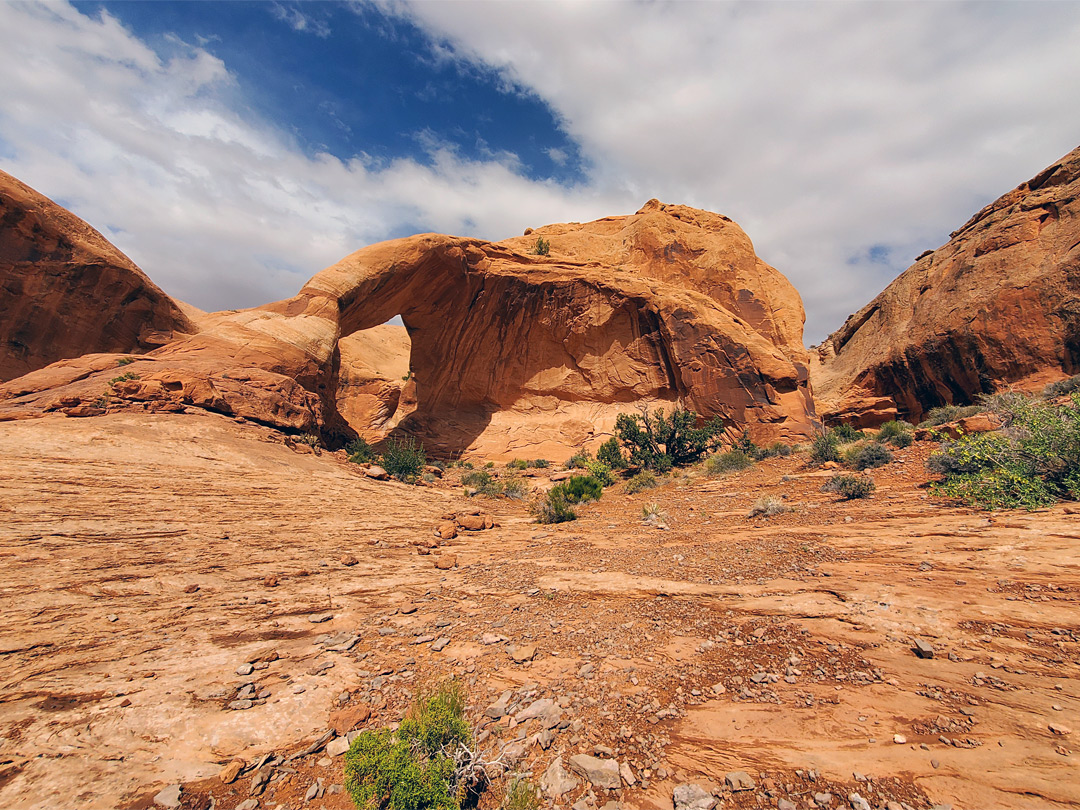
(515, 488)
(581, 488)
(640, 482)
(129, 375)
(731, 461)
(518, 464)
(310, 439)
(825, 447)
(521, 794)
(490, 465)
(845, 433)
(553, 507)
(1032, 462)
(540, 463)
(659, 442)
(601, 472)
(611, 454)
(478, 480)
(746, 446)
(542, 246)
(651, 512)
(775, 449)
(1055, 389)
(404, 459)
(936, 417)
(360, 451)
(124, 361)
(413, 768)
(871, 455)
(578, 460)
(897, 433)
(850, 487)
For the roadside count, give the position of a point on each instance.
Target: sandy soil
(146, 558)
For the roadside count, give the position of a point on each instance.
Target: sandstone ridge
(997, 306)
(65, 291)
(511, 352)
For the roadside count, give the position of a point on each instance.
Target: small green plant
(825, 447)
(897, 433)
(404, 459)
(124, 361)
(943, 414)
(425, 764)
(521, 794)
(652, 513)
(767, 506)
(582, 488)
(359, 451)
(407, 377)
(429, 478)
(542, 246)
(490, 465)
(774, 449)
(845, 433)
(659, 442)
(1062, 387)
(850, 487)
(540, 463)
(729, 462)
(515, 488)
(870, 455)
(578, 460)
(484, 483)
(310, 439)
(553, 507)
(518, 464)
(601, 472)
(639, 483)
(611, 454)
(131, 375)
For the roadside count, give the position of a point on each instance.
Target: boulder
(692, 797)
(997, 306)
(557, 780)
(601, 773)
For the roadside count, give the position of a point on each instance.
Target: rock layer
(510, 351)
(996, 306)
(65, 291)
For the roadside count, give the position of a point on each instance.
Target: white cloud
(823, 129)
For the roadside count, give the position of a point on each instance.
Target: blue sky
(234, 149)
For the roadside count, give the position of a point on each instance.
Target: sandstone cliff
(65, 291)
(996, 306)
(511, 352)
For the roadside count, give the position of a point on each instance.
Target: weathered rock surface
(998, 305)
(669, 304)
(65, 291)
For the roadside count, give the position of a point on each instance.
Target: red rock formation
(65, 291)
(997, 306)
(511, 352)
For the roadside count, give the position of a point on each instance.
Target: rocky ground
(187, 601)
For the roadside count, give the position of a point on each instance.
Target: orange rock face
(997, 306)
(65, 291)
(511, 352)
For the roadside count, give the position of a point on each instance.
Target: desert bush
(310, 439)
(578, 460)
(611, 454)
(653, 513)
(601, 472)
(481, 481)
(774, 449)
(490, 465)
(731, 461)
(404, 459)
(1032, 462)
(1062, 387)
(418, 766)
(936, 417)
(845, 433)
(540, 463)
(659, 442)
(640, 482)
(360, 452)
(746, 446)
(124, 361)
(553, 507)
(767, 506)
(825, 447)
(897, 433)
(870, 455)
(515, 488)
(581, 488)
(542, 246)
(521, 794)
(518, 464)
(850, 487)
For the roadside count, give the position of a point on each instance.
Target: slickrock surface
(182, 592)
(997, 305)
(65, 291)
(664, 305)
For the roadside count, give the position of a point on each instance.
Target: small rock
(192, 588)
(498, 708)
(447, 530)
(739, 780)
(523, 654)
(169, 797)
(822, 799)
(231, 771)
(627, 774)
(245, 669)
(602, 773)
(349, 560)
(858, 802)
(922, 649)
(445, 562)
(1057, 728)
(557, 780)
(784, 804)
(250, 804)
(240, 705)
(320, 618)
(337, 746)
(899, 739)
(407, 609)
(692, 797)
(376, 472)
(440, 644)
(112, 617)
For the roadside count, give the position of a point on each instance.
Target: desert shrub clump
(578, 460)
(542, 246)
(611, 454)
(360, 452)
(659, 442)
(1062, 387)
(639, 483)
(1033, 461)
(869, 456)
(518, 464)
(845, 433)
(767, 506)
(850, 487)
(825, 447)
(897, 433)
(404, 459)
(936, 417)
(601, 472)
(731, 461)
(540, 463)
(418, 766)
(582, 488)
(553, 507)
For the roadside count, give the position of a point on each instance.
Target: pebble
(245, 669)
(922, 649)
(739, 780)
(337, 746)
(320, 618)
(169, 797)
(440, 644)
